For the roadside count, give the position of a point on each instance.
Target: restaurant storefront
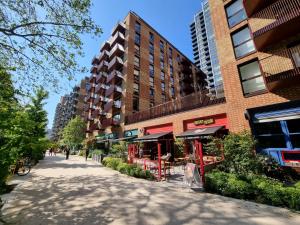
(277, 130)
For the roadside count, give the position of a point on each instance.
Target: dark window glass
(151, 37)
(236, 13)
(162, 75)
(268, 128)
(136, 104)
(252, 79)
(276, 141)
(293, 126)
(151, 92)
(151, 58)
(137, 39)
(291, 156)
(242, 42)
(136, 88)
(295, 138)
(161, 46)
(137, 27)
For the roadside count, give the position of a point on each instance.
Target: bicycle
(22, 167)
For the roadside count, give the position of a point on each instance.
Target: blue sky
(171, 18)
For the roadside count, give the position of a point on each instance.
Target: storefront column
(199, 148)
(159, 160)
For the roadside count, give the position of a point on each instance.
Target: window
(136, 74)
(171, 70)
(161, 46)
(296, 57)
(151, 58)
(242, 43)
(151, 104)
(162, 75)
(151, 48)
(235, 13)
(173, 91)
(172, 80)
(136, 49)
(171, 61)
(151, 70)
(251, 77)
(137, 38)
(135, 103)
(163, 87)
(136, 88)
(161, 56)
(170, 52)
(136, 61)
(151, 92)
(151, 80)
(162, 65)
(151, 37)
(178, 58)
(163, 97)
(137, 27)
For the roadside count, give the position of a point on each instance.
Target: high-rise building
(205, 51)
(70, 105)
(137, 69)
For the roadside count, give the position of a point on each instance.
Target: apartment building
(137, 69)
(258, 47)
(205, 51)
(70, 105)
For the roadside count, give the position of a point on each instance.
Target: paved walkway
(78, 192)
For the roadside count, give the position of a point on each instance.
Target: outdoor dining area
(166, 156)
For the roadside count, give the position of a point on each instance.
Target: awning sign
(204, 122)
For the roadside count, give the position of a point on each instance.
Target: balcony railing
(120, 26)
(118, 104)
(189, 102)
(94, 69)
(106, 122)
(115, 63)
(281, 17)
(113, 88)
(102, 65)
(95, 60)
(105, 46)
(101, 77)
(104, 54)
(114, 74)
(117, 38)
(100, 88)
(282, 68)
(117, 50)
(108, 106)
(253, 6)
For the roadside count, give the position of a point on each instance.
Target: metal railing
(189, 102)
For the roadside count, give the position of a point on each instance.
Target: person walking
(50, 151)
(87, 151)
(67, 153)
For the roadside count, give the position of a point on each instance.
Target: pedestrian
(50, 151)
(67, 153)
(87, 151)
(54, 151)
(141, 152)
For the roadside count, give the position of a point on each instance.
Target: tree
(73, 133)
(41, 39)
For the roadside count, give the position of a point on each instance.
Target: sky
(171, 18)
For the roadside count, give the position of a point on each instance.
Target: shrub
(111, 162)
(253, 187)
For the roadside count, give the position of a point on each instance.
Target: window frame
(227, 17)
(234, 47)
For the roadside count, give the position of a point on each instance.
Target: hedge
(258, 188)
(124, 168)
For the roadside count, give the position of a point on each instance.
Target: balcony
(121, 27)
(102, 67)
(189, 102)
(106, 122)
(100, 89)
(95, 113)
(95, 60)
(104, 55)
(90, 87)
(277, 22)
(105, 46)
(101, 77)
(253, 6)
(117, 38)
(108, 106)
(117, 104)
(186, 77)
(90, 97)
(86, 107)
(113, 89)
(282, 68)
(115, 64)
(115, 74)
(94, 69)
(117, 50)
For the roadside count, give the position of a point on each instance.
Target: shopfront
(277, 130)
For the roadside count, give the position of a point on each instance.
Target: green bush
(124, 168)
(253, 187)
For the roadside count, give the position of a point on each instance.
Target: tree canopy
(41, 39)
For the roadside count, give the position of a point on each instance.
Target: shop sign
(204, 122)
(130, 133)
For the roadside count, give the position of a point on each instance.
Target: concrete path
(78, 192)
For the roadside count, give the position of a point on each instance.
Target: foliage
(179, 148)
(42, 39)
(213, 146)
(119, 150)
(74, 133)
(253, 187)
(124, 168)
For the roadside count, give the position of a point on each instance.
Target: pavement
(63, 192)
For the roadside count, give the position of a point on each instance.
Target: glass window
(136, 74)
(151, 58)
(296, 56)
(252, 79)
(137, 39)
(136, 88)
(151, 92)
(242, 42)
(136, 49)
(161, 46)
(163, 97)
(171, 70)
(172, 80)
(172, 91)
(268, 128)
(135, 103)
(295, 139)
(276, 141)
(136, 61)
(137, 27)
(162, 65)
(151, 37)
(235, 13)
(170, 52)
(151, 70)
(151, 48)
(162, 75)
(161, 56)
(293, 126)
(151, 79)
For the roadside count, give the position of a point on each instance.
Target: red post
(159, 160)
(200, 150)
